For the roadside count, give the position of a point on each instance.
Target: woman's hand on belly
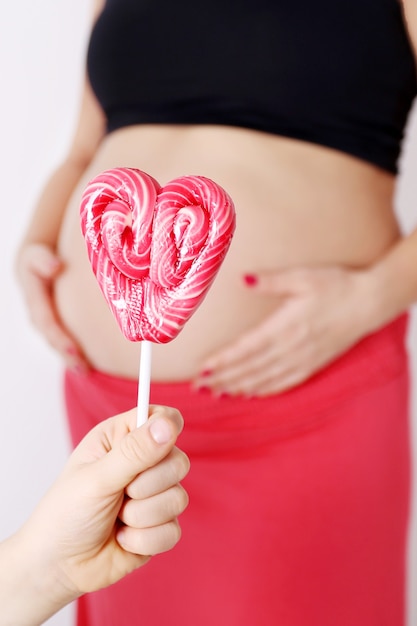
(323, 312)
(37, 268)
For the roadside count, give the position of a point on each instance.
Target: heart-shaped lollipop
(155, 250)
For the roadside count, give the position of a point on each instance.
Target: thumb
(139, 450)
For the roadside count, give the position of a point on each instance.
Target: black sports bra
(339, 73)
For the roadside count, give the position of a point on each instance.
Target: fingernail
(250, 279)
(81, 370)
(54, 264)
(160, 431)
(203, 389)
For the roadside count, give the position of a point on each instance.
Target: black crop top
(339, 73)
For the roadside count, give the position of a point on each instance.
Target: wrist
(44, 570)
(382, 300)
(32, 588)
(393, 280)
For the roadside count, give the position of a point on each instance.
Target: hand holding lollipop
(155, 251)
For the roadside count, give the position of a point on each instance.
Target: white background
(42, 47)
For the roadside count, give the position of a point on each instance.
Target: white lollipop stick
(144, 381)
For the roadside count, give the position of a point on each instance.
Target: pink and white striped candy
(155, 250)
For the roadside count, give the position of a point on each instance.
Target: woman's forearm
(45, 223)
(30, 591)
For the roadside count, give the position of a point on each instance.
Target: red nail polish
(250, 279)
(203, 389)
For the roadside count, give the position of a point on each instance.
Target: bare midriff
(297, 204)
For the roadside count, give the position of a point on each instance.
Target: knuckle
(175, 532)
(171, 534)
(180, 500)
(157, 540)
(133, 449)
(133, 515)
(181, 465)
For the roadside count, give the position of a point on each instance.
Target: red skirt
(299, 503)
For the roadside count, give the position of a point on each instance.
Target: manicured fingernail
(250, 279)
(54, 264)
(160, 431)
(203, 389)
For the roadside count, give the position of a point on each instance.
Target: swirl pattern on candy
(155, 250)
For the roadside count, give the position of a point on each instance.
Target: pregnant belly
(293, 208)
